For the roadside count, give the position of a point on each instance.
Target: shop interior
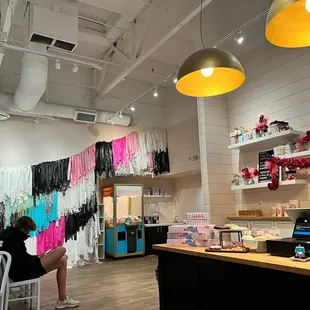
(168, 130)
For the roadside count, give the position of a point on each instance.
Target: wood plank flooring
(113, 285)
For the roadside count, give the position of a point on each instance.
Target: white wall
(278, 86)
(216, 168)
(27, 143)
(188, 196)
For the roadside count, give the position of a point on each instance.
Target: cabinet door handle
(161, 229)
(157, 229)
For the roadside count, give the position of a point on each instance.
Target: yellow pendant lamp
(210, 72)
(288, 23)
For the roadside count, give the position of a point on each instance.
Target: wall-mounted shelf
(157, 196)
(265, 185)
(259, 218)
(267, 141)
(296, 155)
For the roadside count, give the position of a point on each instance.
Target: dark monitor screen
(302, 228)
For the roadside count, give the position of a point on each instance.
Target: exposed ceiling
(122, 31)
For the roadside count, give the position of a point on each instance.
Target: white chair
(26, 290)
(5, 263)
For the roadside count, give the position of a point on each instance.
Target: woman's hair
(26, 223)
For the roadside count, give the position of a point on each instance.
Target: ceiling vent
(47, 24)
(85, 116)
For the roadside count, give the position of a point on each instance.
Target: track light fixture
(132, 108)
(239, 38)
(120, 115)
(57, 64)
(75, 68)
(155, 94)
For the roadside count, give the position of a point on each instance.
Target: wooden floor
(113, 285)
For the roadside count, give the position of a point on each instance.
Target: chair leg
(38, 295)
(6, 296)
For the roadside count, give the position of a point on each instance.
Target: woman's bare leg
(57, 260)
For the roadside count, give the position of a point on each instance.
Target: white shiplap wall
(278, 86)
(216, 168)
(183, 143)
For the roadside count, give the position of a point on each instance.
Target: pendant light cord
(201, 26)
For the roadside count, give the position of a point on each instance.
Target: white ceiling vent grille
(85, 116)
(51, 26)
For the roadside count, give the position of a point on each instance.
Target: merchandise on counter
(190, 235)
(198, 216)
(190, 228)
(198, 222)
(186, 242)
(294, 204)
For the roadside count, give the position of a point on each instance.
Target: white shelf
(296, 155)
(265, 184)
(157, 196)
(100, 244)
(267, 141)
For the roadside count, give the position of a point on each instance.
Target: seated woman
(25, 266)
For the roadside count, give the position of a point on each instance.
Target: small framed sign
(264, 174)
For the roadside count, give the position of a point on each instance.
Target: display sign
(264, 173)
(129, 190)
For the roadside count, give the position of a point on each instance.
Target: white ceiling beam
(121, 53)
(149, 23)
(102, 77)
(157, 45)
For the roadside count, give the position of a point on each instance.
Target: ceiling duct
(49, 110)
(54, 24)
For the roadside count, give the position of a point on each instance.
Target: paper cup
(273, 211)
(285, 206)
(294, 204)
(278, 210)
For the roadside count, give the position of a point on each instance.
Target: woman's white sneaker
(67, 303)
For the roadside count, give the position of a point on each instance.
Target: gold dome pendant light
(288, 23)
(210, 72)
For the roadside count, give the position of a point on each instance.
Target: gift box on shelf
(186, 242)
(155, 191)
(198, 222)
(191, 228)
(147, 191)
(236, 136)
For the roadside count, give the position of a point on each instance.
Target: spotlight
(132, 108)
(207, 72)
(120, 115)
(75, 68)
(175, 80)
(110, 121)
(239, 38)
(57, 64)
(155, 94)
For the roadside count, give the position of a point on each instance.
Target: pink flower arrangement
(249, 173)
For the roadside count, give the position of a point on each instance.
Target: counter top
(262, 260)
(162, 224)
